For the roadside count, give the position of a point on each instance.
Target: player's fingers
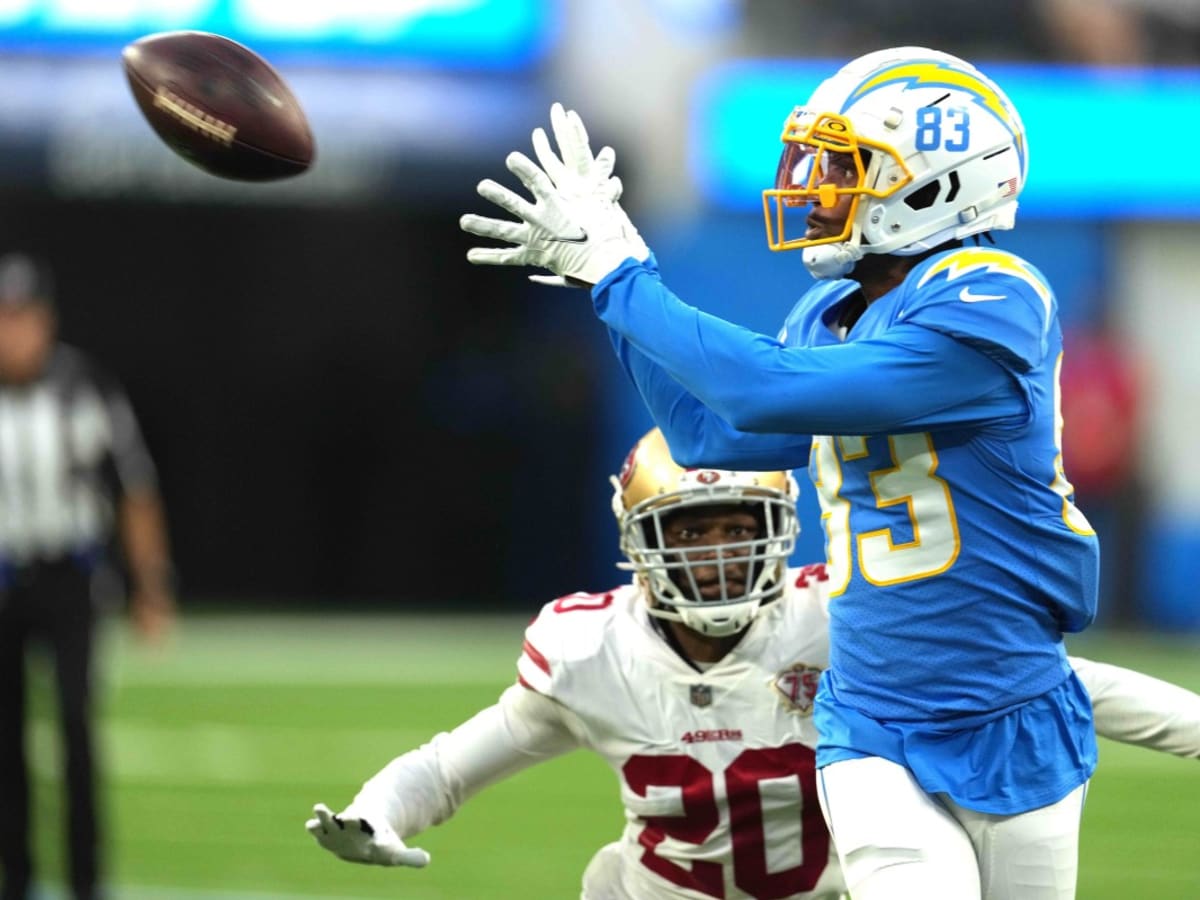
(364, 826)
(507, 199)
(504, 198)
(354, 823)
(562, 137)
(497, 256)
(606, 161)
(575, 137)
(531, 176)
(325, 818)
(548, 160)
(558, 121)
(501, 230)
(614, 187)
(410, 856)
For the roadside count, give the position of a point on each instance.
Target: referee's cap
(25, 281)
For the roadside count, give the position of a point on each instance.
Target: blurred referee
(76, 487)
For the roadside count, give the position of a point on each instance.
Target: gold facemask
(821, 163)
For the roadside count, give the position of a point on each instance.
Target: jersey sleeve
(426, 786)
(539, 664)
(567, 634)
(1139, 709)
(758, 391)
(105, 421)
(700, 434)
(132, 466)
(132, 461)
(987, 299)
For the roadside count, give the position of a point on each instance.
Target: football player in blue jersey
(918, 382)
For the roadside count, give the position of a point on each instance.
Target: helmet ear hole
(924, 197)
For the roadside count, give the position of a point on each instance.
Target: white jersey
(1139, 709)
(717, 767)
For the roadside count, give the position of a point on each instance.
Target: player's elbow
(758, 417)
(1073, 623)
(716, 449)
(691, 457)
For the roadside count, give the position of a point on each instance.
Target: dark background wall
(340, 406)
(344, 412)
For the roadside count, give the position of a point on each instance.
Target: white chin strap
(831, 260)
(715, 621)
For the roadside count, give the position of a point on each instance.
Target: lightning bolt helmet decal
(941, 73)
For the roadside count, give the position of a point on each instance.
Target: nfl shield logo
(701, 695)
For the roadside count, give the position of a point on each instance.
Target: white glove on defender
(575, 228)
(354, 839)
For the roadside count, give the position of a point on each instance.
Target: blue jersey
(933, 436)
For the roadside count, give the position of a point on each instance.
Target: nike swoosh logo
(582, 239)
(966, 296)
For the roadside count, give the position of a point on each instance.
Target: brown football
(219, 105)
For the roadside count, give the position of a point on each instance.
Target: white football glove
(352, 838)
(575, 228)
(578, 173)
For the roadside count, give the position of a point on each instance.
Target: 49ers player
(695, 682)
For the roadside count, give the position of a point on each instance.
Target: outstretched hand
(575, 227)
(352, 838)
(577, 173)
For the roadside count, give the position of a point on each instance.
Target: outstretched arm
(142, 522)
(426, 786)
(724, 390)
(750, 395)
(697, 431)
(1139, 709)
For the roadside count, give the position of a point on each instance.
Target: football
(219, 105)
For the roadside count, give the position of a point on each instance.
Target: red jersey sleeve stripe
(536, 657)
(525, 684)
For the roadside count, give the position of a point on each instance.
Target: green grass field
(217, 747)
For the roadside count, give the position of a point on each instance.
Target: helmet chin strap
(831, 260)
(826, 261)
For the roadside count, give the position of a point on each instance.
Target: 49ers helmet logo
(628, 467)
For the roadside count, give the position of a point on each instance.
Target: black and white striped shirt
(69, 447)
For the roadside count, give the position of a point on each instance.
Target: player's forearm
(709, 358)
(695, 434)
(1139, 709)
(144, 539)
(427, 785)
(915, 380)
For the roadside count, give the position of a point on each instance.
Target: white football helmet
(939, 149)
(651, 487)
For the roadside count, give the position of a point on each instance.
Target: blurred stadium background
(379, 461)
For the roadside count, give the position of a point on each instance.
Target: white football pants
(602, 877)
(897, 842)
